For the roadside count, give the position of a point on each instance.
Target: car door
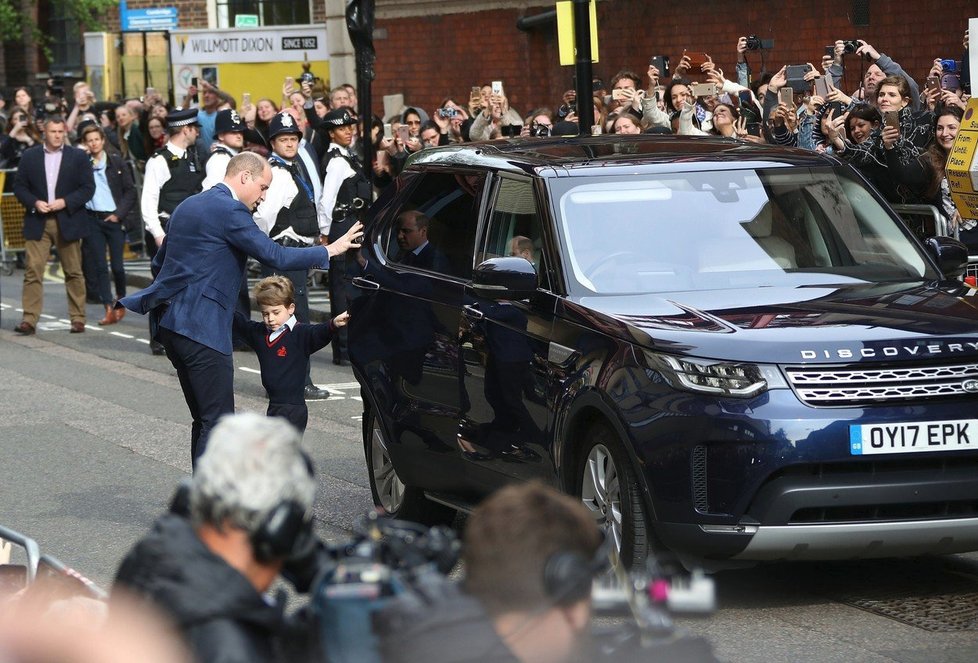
(505, 422)
(405, 325)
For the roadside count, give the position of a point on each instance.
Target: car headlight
(722, 378)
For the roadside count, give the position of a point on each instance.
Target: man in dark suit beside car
(416, 250)
(198, 273)
(54, 182)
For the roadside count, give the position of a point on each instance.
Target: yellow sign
(962, 164)
(566, 44)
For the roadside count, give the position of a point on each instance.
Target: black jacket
(119, 175)
(220, 614)
(436, 622)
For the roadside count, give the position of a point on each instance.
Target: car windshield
(783, 227)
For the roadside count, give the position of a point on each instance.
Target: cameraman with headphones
(250, 510)
(530, 554)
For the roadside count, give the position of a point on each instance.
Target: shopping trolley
(11, 225)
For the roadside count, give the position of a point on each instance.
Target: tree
(87, 13)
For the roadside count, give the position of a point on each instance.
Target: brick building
(430, 49)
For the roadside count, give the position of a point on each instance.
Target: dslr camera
(849, 46)
(447, 112)
(565, 110)
(755, 43)
(539, 130)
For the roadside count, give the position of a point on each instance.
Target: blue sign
(145, 20)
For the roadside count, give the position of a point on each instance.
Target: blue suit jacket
(201, 263)
(76, 184)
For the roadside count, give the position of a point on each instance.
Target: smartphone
(476, 91)
(696, 58)
(388, 132)
(595, 129)
(933, 83)
(618, 94)
(892, 119)
(497, 87)
(245, 98)
(403, 134)
(754, 128)
(704, 89)
(150, 91)
(661, 62)
(193, 84)
(822, 86)
(786, 96)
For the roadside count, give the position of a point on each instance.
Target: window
(269, 12)
(514, 229)
(437, 226)
(66, 46)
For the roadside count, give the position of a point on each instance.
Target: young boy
(283, 347)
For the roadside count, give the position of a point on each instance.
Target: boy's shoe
(314, 393)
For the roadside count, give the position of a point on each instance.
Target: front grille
(841, 386)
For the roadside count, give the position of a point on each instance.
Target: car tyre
(609, 489)
(389, 492)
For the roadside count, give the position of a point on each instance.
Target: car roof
(569, 154)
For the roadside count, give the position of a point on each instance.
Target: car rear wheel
(609, 490)
(388, 490)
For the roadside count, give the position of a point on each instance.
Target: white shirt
(216, 167)
(336, 171)
(157, 174)
(289, 324)
(281, 192)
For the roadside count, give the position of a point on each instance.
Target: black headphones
(287, 531)
(567, 576)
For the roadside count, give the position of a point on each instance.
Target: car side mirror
(505, 278)
(950, 254)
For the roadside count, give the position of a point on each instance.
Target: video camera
(387, 558)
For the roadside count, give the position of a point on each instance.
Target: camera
(565, 110)
(56, 86)
(754, 43)
(849, 46)
(539, 130)
(447, 112)
(949, 66)
(306, 77)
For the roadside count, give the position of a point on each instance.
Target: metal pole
(145, 64)
(582, 66)
(360, 25)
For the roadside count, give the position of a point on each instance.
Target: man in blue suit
(53, 183)
(198, 273)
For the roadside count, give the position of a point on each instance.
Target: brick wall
(428, 58)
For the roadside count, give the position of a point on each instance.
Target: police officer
(346, 191)
(230, 129)
(173, 174)
(288, 213)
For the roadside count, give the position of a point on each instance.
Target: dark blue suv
(735, 352)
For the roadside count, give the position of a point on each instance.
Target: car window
(514, 227)
(436, 226)
(704, 230)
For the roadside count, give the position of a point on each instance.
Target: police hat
(339, 117)
(283, 123)
(182, 118)
(228, 120)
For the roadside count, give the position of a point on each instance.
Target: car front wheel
(609, 489)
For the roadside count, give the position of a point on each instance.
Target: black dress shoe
(314, 393)
(25, 329)
(157, 348)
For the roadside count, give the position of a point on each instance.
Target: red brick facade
(428, 58)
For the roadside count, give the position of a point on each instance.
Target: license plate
(955, 435)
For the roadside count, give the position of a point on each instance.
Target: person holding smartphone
(888, 158)
(21, 134)
(496, 117)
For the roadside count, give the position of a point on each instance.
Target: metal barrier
(11, 225)
(925, 220)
